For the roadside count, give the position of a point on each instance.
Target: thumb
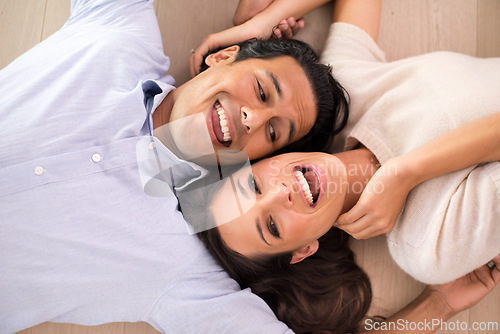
(345, 219)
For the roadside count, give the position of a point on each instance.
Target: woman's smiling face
(285, 204)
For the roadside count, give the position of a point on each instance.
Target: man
(82, 240)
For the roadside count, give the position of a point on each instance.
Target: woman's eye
(272, 133)
(263, 96)
(252, 184)
(273, 229)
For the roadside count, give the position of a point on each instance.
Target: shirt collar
(158, 166)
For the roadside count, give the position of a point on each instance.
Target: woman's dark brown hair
(325, 293)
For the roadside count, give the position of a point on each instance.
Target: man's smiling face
(256, 106)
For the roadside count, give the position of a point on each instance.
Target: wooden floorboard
(488, 32)
(413, 27)
(56, 14)
(21, 23)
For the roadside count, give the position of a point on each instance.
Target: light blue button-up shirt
(80, 240)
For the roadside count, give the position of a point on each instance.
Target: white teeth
(305, 186)
(223, 121)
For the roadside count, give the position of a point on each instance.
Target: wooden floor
(409, 27)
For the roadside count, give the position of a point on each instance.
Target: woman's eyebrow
(259, 229)
(243, 191)
(292, 131)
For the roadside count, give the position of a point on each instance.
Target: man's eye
(252, 184)
(263, 96)
(272, 133)
(273, 229)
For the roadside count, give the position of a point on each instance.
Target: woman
(276, 244)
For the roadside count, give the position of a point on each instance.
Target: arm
(364, 14)
(376, 212)
(471, 144)
(247, 9)
(361, 13)
(259, 26)
(440, 302)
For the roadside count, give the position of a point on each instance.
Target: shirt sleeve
(349, 42)
(124, 29)
(213, 303)
(78, 6)
(134, 17)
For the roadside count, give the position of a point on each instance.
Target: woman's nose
(252, 118)
(279, 195)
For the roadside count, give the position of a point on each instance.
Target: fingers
(282, 30)
(288, 28)
(194, 64)
(351, 216)
(484, 275)
(293, 28)
(361, 223)
(489, 274)
(361, 228)
(198, 54)
(495, 272)
(296, 25)
(277, 32)
(301, 23)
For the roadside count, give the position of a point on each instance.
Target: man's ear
(304, 252)
(228, 53)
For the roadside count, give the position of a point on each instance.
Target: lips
(309, 182)
(221, 125)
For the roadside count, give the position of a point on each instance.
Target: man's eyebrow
(260, 232)
(276, 83)
(277, 86)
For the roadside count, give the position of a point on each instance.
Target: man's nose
(253, 118)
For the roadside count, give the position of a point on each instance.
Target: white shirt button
(152, 145)
(39, 170)
(96, 157)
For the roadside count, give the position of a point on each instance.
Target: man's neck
(161, 115)
(360, 165)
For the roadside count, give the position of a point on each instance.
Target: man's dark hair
(331, 97)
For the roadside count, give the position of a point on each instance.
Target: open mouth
(309, 182)
(221, 125)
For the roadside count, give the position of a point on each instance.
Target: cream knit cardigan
(450, 225)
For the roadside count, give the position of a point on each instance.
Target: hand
(468, 290)
(228, 37)
(288, 28)
(254, 28)
(380, 203)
